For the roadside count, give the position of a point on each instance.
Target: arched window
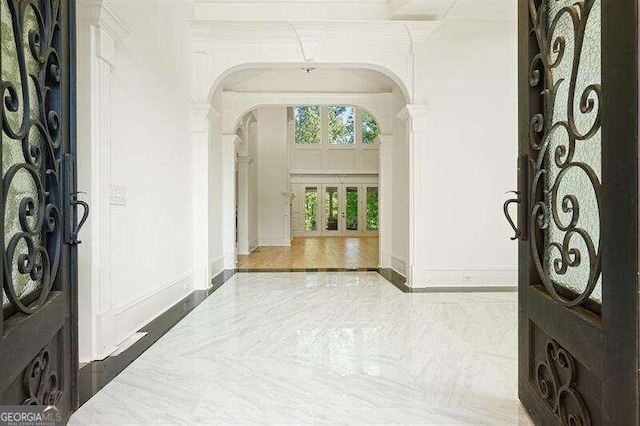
(335, 125)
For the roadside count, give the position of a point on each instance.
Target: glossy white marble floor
(327, 349)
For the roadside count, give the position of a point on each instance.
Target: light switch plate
(118, 195)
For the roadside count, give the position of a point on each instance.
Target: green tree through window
(370, 130)
(372, 209)
(311, 209)
(342, 125)
(307, 120)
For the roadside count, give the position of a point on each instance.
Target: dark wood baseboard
(96, 374)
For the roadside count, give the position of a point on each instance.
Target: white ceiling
(353, 10)
(320, 80)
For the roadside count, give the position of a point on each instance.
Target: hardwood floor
(316, 252)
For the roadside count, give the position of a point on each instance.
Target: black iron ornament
(545, 196)
(40, 381)
(555, 379)
(35, 250)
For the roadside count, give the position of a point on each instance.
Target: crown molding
(96, 12)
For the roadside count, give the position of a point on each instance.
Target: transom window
(308, 125)
(336, 125)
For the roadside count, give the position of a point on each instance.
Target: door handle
(85, 215)
(505, 209)
(71, 203)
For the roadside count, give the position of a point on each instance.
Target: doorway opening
(330, 204)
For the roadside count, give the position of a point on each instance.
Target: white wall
(468, 157)
(273, 179)
(400, 195)
(150, 239)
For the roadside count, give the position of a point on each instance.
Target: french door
(332, 207)
(577, 223)
(360, 215)
(350, 210)
(38, 326)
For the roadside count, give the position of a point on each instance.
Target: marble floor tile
(324, 349)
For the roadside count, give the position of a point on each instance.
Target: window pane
(372, 209)
(331, 209)
(370, 130)
(352, 209)
(341, 125)
(311, 209)
(307, 125)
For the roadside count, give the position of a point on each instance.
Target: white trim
(399, 264)
(217, 266)
(129, 318)
(475, 276)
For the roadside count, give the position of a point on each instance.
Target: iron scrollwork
(31, 119)
(40, 381)
(555, 378)
(559, 30)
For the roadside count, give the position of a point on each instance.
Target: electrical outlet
(467, 278)
(118, 196)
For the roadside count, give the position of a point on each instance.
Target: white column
(102, 29)
(229, 142)
(386, 199)
(201, 114)
(416, 118)
(244, 163)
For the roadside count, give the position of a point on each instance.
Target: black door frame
(39, 350)
(603, 341)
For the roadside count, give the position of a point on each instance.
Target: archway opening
(315, 170)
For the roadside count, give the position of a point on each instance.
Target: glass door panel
(351, 214)
(331, 210)
(311, 210)
(372, 210)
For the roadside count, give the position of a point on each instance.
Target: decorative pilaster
(201, 117)
(386, 198)
(415, 117)
(244, 163)
(229, 142)
(103, 29)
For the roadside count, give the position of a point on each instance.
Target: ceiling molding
(98, 13)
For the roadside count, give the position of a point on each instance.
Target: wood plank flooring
(316, 252)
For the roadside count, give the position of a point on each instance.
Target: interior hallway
(324, 348)
(316, 252)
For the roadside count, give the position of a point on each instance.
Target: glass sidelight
(331, 210)
(372, 211)
(311, 209)
(351, 213)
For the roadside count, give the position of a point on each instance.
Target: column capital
(96, 12)
(419, 33)
(110, 28)
(416, 116)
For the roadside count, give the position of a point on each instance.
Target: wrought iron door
(38, 357)
(577, 223)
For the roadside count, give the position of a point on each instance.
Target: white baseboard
(399, 265)
(500, 276)
(385, 259)
(133, 316)
(253, 245)
(217, 266)
(274, 242)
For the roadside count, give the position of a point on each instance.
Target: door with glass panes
(577, 225)
(360, 215)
